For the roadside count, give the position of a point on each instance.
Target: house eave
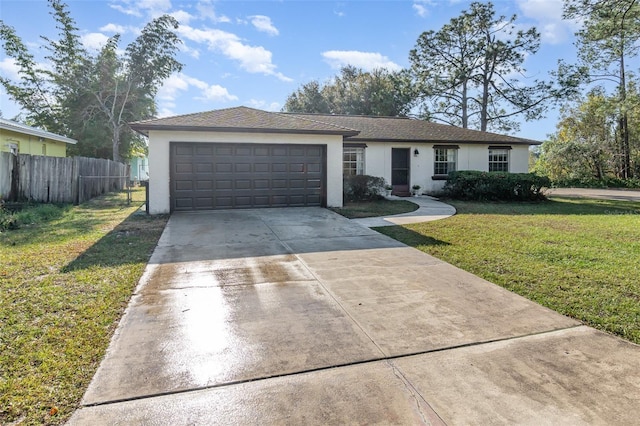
(32, 131)
(442, 141)
(145, 129)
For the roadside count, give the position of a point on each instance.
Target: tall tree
(608, 38)
(355, 92)
(308, 98)
(92, 97)
(585, 145)
(463, 72)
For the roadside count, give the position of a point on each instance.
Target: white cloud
(365, 60)
(253, 59)
(180, 82)
(207, 11)
(95, 41)
(182, 17)
(141, 7)
(548, 16)
(264, 24)
(420, 6)
(113, 28)
(10, 69)
(263, 105)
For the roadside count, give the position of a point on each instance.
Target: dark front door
(400, 171)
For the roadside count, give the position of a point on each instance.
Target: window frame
(499, 159)
(356, 165)
(448, 165)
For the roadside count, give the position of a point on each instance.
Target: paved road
(607, 194)
(300, 316)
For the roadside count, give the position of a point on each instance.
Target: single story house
(139, 168)
(247, 158)
(19, 138)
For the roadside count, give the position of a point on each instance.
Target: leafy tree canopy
(585, 147)
(608, 38)
(92, 97)
(355, 92)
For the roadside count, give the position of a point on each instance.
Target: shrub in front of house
(495, 186)
(363, 188)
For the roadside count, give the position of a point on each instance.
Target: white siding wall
(470, 157)
(159, 189)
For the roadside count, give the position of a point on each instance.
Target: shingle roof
(394, 129)
(242, 119)
(352, 127)
(33, 131)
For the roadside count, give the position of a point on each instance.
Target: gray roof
(395, 129)
(242, 119)
(33, 131)
(354, 128)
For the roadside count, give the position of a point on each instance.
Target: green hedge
(495, 186)
(363, 188)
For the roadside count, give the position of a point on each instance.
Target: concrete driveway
(300, 316)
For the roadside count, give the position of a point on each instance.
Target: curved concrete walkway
(430, 209)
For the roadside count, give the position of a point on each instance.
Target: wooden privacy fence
(58, 180)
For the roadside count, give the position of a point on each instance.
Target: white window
(445, 160)
(353, 161)
(498, 159)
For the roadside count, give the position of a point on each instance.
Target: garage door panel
(296, 168)
(242, 184)
(243, 168)
(184, 150)
(184, 185)
(262, 168)
(224, 167)
(203, 150)
(225, 176)
(184, 168)
(204, 168)
(204, 185)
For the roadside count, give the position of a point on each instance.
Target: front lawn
(64, 283)
(579, 257)
(382, 207)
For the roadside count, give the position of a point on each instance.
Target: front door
(400, 171)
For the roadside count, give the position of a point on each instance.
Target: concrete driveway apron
(300, 316)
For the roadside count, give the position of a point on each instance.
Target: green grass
(579, 257)
(65, 280)
(383, 207)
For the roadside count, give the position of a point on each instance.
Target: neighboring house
(246, 158)
(139, 168)
(22, 139)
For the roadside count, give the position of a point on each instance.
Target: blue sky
(256, 53)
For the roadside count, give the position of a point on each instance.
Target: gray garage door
(208, 176)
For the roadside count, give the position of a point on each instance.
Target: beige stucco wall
(159, 188)
(470, 157)
(28, 144)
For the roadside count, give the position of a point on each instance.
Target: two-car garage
(207, 176)
(239, 158)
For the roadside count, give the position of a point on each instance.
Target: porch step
(401, 191)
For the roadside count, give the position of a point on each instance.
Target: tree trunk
(485, 101)
(465, 106)
(624, 121)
